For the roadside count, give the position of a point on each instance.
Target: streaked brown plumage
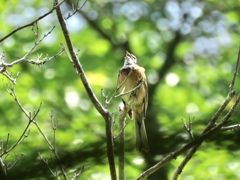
(131, 75)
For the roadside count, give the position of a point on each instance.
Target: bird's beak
(128, 55)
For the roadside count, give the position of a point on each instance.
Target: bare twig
(3, 171)
(116, 90)
(128, 92)
(188, 127)
(235, 72)
(123, 114)
(211, 123)
(8, 76)
(47, 163)
(52, 146)
(76, 9)
(211, 128)
(26, 131)
(77, 173)
(184, 148)
(33, 119)
(17, 159)
(125, 125)
(38, 61)
(33, 22)
(231, 128)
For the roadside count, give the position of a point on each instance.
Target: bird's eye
(134, 59)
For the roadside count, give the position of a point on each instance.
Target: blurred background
(189, 50)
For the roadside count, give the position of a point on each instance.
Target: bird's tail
(141, 135)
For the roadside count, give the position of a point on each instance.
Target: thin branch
(17, 159)
(231, 128)
(116, 90)
(128, 92)
(77, 173)
(3, 171)
(188, 127)
(235, 72)
(38, 61)
(47, 163)
(26, 131)
(75, 10)
(52, 146)
(33, 22)
(8, 76)
(204, 136)
(210, 124)
(119, 132)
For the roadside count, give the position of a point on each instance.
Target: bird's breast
(128, 79)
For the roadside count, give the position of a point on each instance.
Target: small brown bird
(130, 76)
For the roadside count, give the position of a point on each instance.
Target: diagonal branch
(78, 67)
(26, 131)
(39, 61)
(210, 129)
(80, 72)
(211, 123)
(32, 23)
(235, 72)
(204, 136)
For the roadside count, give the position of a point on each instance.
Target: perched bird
(131, 76)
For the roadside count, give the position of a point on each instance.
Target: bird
(132, 78)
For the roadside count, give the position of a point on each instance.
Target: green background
(188, 49)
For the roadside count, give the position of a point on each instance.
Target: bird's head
(129, 59)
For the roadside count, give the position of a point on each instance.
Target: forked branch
(211, 128)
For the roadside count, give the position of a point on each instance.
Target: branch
(30, 120)
(211, 123)
(78, 67)
(3, 172)
(75, 10)
(77, 173)
(33, 22)
(121, 120)
(52, 146)
(80, 72)
(188, 127)
(107, 102)
(16, 161)
(134, 89)
(3, 65)
(33, 119)
(121, 157)
(235, 72)
(47, 163)
(204, 136)
(211, 128)
(232, 127)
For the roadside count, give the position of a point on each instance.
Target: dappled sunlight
(59, 102)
